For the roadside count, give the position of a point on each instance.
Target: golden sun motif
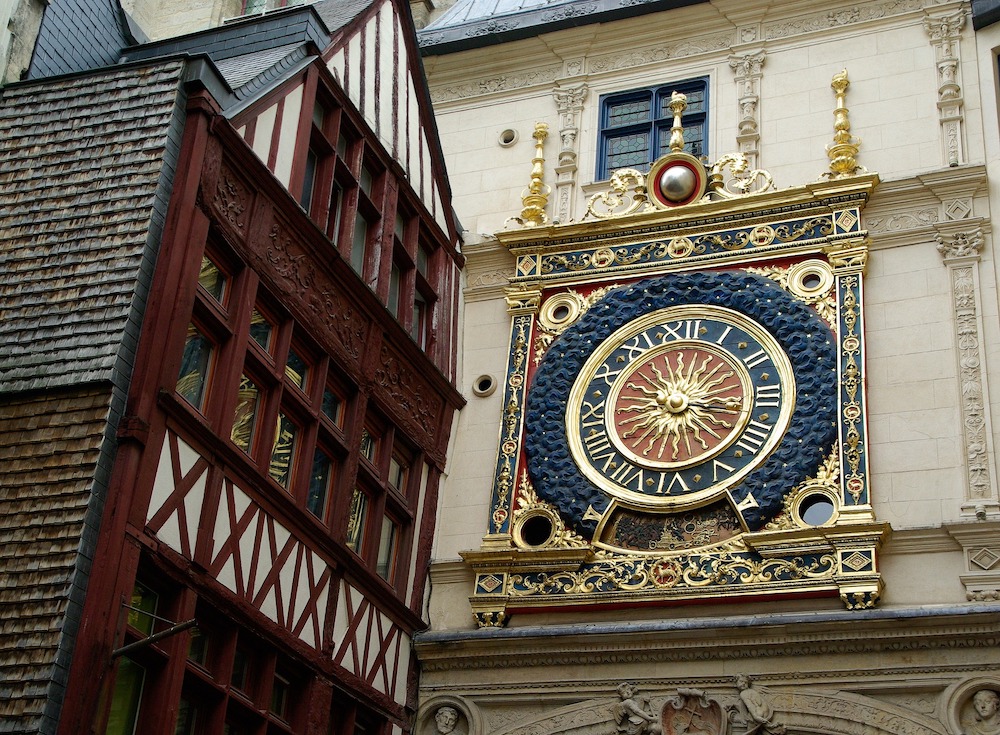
(697, 400)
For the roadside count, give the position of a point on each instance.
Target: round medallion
(676, 179)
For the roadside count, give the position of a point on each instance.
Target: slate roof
(338, 13)
(49, 449)
(477, 23)
(253, 72)
(87, 163)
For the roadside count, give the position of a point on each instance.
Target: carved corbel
(961, 254)
(945, 35)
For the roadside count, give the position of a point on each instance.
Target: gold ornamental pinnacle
(844, 149)
(536, 196)
(678, 103)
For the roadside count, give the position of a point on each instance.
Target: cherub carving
(633, 716)
(760, 713)
(985, 716)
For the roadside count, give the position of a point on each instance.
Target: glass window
(142, 608)
(125, 698)
(395, 276)
(635, 126)
(333, 407)
(356, 520)
(369, 446)
(397, 474)
(245, 416)
(261, 330)
(386, 549)
(309, 180)
(283, 451)
(295, 369)
(358, 243)
(212, 279)
(195, 362)
(320, 480)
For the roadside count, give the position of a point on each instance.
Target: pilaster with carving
(747, 70)
(945, 34)
(569, 103)
(961, 254)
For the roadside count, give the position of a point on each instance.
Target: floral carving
(404, 391)
(231, 199)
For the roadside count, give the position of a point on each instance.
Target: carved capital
(748, 65)
(960, 246)
(570, 99)
(945, 29)
(522, 301)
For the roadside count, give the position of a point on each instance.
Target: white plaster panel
(352, 71)
(288, 135)
(163, 482)
(369, 102)
(386, 74)
(264, 132)
(336, 66)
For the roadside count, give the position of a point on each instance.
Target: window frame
(657, 123)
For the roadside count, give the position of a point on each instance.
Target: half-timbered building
(229, 281)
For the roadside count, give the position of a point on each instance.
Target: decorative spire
(844, 149)
(537, 194)
(678, 103)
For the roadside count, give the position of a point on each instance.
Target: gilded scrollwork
(561, 312)
(825, 303)
(626, 195)
(528, 500)
(742, 179)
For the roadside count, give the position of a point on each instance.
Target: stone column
(748, 73)
(945, 34)
(569, 103)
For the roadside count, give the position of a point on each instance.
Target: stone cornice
(701, 639)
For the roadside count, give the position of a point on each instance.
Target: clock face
(679, 393)
(679, 405)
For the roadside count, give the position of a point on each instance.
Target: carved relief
(824, 20)
(902, 220)
(961, 255)
(690, 712)
(404, 391)
(569, 103)
(232, 198)
(638, 57)
(633, 715)
(982, 713)
(491, 85)
(747, 70)
(757, 710)
(945, 33)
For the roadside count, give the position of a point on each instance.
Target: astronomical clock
(684, 402)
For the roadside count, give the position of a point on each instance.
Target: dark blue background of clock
(812, 429)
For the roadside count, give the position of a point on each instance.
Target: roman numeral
(716, 466)
(725, 333)
(605, 373)
(754, 436)
(768, 396)
(626, 474)
(755, 359)
(748, 502)
(635, 349)
(676, 484)
(687, 329)
(593, 414)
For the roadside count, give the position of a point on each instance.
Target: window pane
(631, 111)
(319, 115)
(358, 243)
(246, 414)
(333, 407)
(336, 201)
(283, 451)
(143, 603)
(241, 670)
(418, 329)
(198, 647)
(187, 718)
(356, 521)
(695, 103)
(195, 361)
(365, 181)
(368, 447)
(386, 548)
(261, 330)
(295, 369)
(399, 228)
(212, 279)
(319, 484)
(422, 261)
(279, 696)
(628, 151)
(397, 474)
(393, 303)
(125, 698)
(312, 161)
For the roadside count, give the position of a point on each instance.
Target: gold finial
(844, 149)
(678, 103)
(537, 194)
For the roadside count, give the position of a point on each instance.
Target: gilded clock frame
(814, 230)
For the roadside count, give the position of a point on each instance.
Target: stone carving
(633, 715)
(748, 74)
(824, 20)
(569, 103)
(984, 717)
(690, 712)
(490, 85)
(961, 255)
(446, 719)
(638, 57)
(759, 710)
(902, 220)
(944, 32)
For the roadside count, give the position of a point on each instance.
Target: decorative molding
(569, 104)
(961, 254)
(494, 84)
(634, 57)
(945, 34)
(747, 71)
(980, 541)
(826, 19)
